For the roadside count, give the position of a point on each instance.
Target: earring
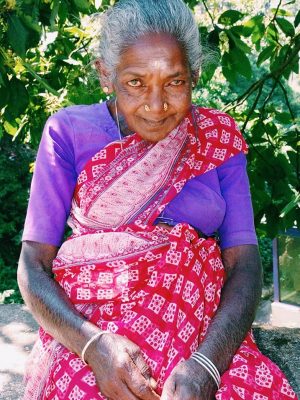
(105, 90)
(147, 108)
(166, 107)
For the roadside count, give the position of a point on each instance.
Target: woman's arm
(233, 319)
(47, 301)
(117, 363)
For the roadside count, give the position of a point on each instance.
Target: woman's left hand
(189, 381)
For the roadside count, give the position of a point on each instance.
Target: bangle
(208, 365)
(92, 339)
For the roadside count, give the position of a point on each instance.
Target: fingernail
(153, 383)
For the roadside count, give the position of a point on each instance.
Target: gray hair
(127, 20)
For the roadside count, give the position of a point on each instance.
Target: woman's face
(152, 72)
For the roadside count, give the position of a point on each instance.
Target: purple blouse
(218, 200)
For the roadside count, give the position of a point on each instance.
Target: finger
(144, 369)
(121, 393)
(138, 384)
(169, 389)
(141, 364)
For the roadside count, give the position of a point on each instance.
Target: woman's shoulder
(218, 132)
(82, 121)
(87, 112)
(211, 117)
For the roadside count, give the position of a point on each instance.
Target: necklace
(118, 122)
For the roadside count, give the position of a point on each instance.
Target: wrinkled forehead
(155, 51)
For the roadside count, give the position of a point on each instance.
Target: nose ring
(147, 108)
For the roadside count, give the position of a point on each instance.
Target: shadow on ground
(17, 335)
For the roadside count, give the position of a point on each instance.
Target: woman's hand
(120, 370)
(189, 381)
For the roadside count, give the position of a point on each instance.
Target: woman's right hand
(120, 369)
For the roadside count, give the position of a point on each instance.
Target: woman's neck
(118, 118)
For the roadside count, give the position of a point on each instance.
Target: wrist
(208, 366)
(85, 331)
(89, 344)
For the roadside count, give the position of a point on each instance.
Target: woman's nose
(156, 99)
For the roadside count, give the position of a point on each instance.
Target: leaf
(9, 128)
(229, 17)
(54, 13)
(265, 54)
(30, 23)
(252, 24)
(285, 26)
(271, 129)
(283, 117)
(295, 202)
(254, 21)
(227, 68)
(213, 38)
(75, 31)
(238, 42)
(237, 30)
(208, 73)
(18, 99)
(241, 63)
(281, 12)
(272, 218)
(63, 13)
(258, 33)
(271, 33)
(261, 199)
(295, 67)
(17, 34)
(257, 132)
(297, 19)
(4, 96)
(82, 5)
(280, 59)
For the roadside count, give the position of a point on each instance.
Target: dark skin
(151, 72)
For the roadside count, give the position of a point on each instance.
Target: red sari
(157, 287)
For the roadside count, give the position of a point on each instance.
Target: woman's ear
(105, 81)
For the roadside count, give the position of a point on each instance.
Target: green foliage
(258, 55)
(265, 249)
(45, 65)
(14, 183)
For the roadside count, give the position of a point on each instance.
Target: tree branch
(252, 109)
(274, 74)
(276, 11)
(208, 12)
(40, 79)
(288, 102)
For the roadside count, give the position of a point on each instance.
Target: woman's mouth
(154, 123)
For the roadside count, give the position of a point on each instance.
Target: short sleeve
(237, 227)
(53, 183)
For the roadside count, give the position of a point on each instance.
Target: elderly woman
(140, 302)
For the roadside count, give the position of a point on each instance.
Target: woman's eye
(177, 82)
(134, 83)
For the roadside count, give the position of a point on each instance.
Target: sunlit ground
(17, 335)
